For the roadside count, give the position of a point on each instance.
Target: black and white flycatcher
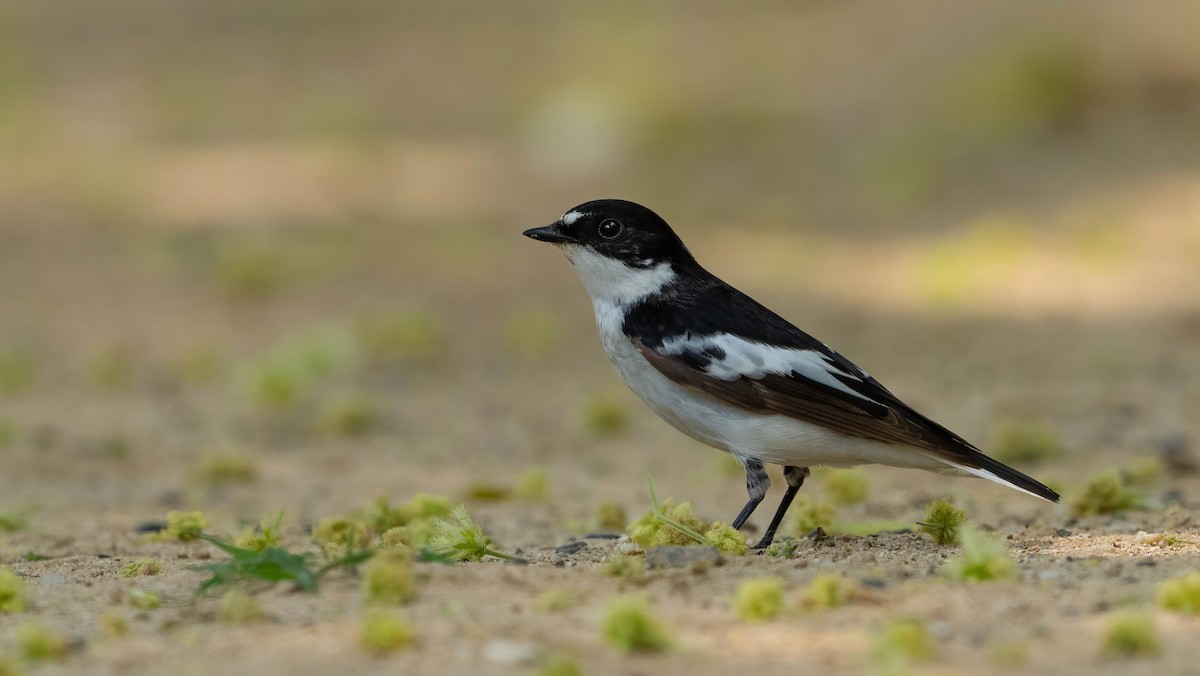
(728, 372)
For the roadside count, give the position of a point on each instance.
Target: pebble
(682, 557)
(49, 580)
(628, 547)
(570, 548)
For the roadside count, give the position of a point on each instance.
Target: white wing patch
(749, 359)
(570, 217)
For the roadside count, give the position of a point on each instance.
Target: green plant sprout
(464, 540)
(1105, 493)
(624, 565)
(556, 599)
(238, 607)
(942, 521)
(847, 486)
(388, 578)
(272, 565)
(39, 644)
(113, 625)
(630, 626)
(1181, 594)
(983, 559)
(682, 527)
(783, 548)
(11, 523)
(143, 599)
(12, 592)
(758, 599)
(266, 535)
(141, 567)
(610, 517)
(828, 591)
(185, 526)
(1130, 634)
(604, 416)
(228, 467)
(384, 632)
(533, 485)
(902, 642)
(808, 515)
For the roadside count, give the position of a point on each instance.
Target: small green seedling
(783, 548)
(903, 642)
(12, 592)
(228, 467)
(533, 485)
(758, 599)
(670, 524)
(808, 515)
(38, 643)
(983, 559)
(350, 418)
(334, 536)
(141, 567)
(11, 523)
(464, 540)
(1104, 494)
(604, 416)
(384, 632)
(1130, 634)
(847, 486)
(610, 517)
(143, 599)
(1026, 443)
(266, 535)
(113, 625)
(630, 627)
(625, 565)
(727, 539)
(272, 565)
(942, 521)
(1181, 594)
(388, 578)
(828, 591)
(486, 491)
(556, 600)
(238, 607)
(185, 526)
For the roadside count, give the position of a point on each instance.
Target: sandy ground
(96, 454)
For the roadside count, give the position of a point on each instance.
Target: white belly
(774, 439)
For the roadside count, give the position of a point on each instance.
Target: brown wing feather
(798, 399)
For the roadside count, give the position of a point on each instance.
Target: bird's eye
(610, 229)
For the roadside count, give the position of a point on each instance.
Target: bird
(726, 371)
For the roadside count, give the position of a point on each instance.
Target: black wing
(671, 333)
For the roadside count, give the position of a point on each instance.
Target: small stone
(151, 526)
(602, 536)
(682, 557)
(570, 548)
(874, 583)
(1063, 533)
(510, 653)
(50, 580)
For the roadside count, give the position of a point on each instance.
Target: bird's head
(620, 249)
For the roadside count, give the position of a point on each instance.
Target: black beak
(550, 233)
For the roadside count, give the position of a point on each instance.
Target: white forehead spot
(571, 216)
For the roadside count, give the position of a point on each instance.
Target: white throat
(609, 282)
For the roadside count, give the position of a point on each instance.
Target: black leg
(757, 483)
(795, 479)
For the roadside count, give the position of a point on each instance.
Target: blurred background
(279, 241)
